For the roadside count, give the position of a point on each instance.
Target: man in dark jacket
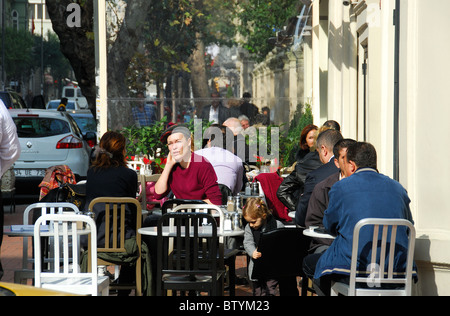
(215, 112)
(292, 187)
(325, 144)
(249, 109)
(318, 201)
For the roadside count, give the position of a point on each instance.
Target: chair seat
(230, 253)
(385, 290)
(187, 278)
(79, 285)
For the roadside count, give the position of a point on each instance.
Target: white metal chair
(44, 208)
(377, 276)
(66, 276)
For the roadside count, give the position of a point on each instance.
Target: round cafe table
(206, 230)
(312, 233)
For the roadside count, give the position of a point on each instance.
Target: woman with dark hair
(306, 140)
(307, 160)
(109, 176)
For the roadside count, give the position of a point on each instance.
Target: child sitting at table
(259, 219)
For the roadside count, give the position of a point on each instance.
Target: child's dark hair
(256, 208)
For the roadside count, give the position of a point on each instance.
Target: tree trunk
(78, 48)
(197, 66)
(119, 58)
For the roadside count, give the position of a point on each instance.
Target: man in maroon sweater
(188, 175)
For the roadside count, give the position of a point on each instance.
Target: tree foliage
(167, 42)
(157, 39)
(54, 60)
(18, 53)
(260, 20)
(23, 55)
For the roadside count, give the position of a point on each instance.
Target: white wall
(425, 110)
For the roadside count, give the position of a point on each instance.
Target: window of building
(15, 19)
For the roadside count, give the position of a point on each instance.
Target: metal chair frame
(192, 263)
(45, 208)
(66, 275)
(378, 276)
(115, 209)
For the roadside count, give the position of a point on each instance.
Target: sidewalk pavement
(11, 252)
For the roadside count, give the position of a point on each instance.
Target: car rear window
(35, 127)
(54, 105)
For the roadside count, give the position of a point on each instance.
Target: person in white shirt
(228, 167)
(9, 153)
(215, 112)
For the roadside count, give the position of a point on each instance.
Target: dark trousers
(322, 286)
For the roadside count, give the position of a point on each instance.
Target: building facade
(380, 68)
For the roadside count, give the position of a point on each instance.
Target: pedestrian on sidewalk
(9, 153)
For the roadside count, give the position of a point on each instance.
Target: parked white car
(49, 138)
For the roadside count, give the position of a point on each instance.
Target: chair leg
(333, 292)
(232, 275)
(139, 277)
(307, 286)
(20, 275)
(304, 286)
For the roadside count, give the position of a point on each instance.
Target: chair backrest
(48, 208)
(194, 252)
(43, 208)
(169, 205)
(142, 181)
(283, 251)
(377, 274)
(213, 210)
(63, 229)
(115, 210)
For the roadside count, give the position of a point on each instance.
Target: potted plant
(144, 141)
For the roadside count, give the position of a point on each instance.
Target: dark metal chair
(172, 203)
(188, 255)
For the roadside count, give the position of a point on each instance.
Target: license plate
(29, 172)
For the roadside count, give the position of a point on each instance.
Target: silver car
(49, 138)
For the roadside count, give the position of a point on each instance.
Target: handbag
(72, 193)
(150, 196)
